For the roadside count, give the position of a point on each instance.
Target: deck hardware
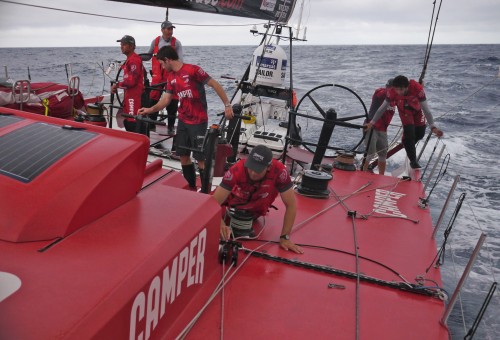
(441, 253)
(443, 210)
(351, 213)
(334, 285)
(472, 330)
(465, 274)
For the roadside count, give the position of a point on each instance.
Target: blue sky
(327, 21)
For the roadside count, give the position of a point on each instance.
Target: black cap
(166, 24)
(259, 159)
(127, 39)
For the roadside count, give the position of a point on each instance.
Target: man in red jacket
(159, 75)
(187, 81)
(410, 99)
(132, 83)
(251, 186)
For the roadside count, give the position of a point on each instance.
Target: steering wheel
(313, 97)
(119, 94)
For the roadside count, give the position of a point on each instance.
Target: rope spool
(344, 161)
(95, 109)
(241, 222)
(315, 184)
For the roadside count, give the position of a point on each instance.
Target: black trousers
(411, 135)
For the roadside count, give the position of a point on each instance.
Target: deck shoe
(171, 130)
(415, 165)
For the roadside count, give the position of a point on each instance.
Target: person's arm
(228, 109)
(376, 102)
(430, 118)
(220, 195)
(288, 198)
(378, 114)
(162, 103)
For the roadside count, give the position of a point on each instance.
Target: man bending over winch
(249, 188)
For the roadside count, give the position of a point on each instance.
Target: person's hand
(225, 231)
(367, 126)
(114, 87)
(289, 245)
(228, 112)
(437, 132)
(143, 111)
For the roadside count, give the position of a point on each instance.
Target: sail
(274, 10)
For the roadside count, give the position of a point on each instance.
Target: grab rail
(20, 95)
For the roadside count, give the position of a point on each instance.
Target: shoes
(171, 130)
(415, 165)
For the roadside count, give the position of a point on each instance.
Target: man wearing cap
(413, 109)
(378, 141)
(252, 185)
(188, 82)
(132, 83)
(159, 75)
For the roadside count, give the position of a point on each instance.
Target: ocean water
(463, 90)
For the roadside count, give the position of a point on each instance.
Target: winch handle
(144, 119)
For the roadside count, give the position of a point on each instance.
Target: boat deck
(268, 298)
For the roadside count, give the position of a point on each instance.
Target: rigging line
(440, 175)
(455, 271)
(488, 250)
(190, 325)
(301, 224)
(222, 300)
(356, 252)
(411, 288)
(430, 29)
(438, 260)
(422, 75)
(217, 289)
(469, 96)
(422, 176)
(347, 253)
(120, 18)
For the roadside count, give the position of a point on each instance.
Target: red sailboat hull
(145, 267)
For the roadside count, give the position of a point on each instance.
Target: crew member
(410, 99)
(378, 143)
(187, 81)
(132, 83)
(252, 185)
(159, 75)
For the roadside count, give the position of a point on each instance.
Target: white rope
(218, 288)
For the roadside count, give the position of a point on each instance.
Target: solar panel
(27, 152)
(6, 119)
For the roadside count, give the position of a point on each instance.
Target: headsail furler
(278, 11)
